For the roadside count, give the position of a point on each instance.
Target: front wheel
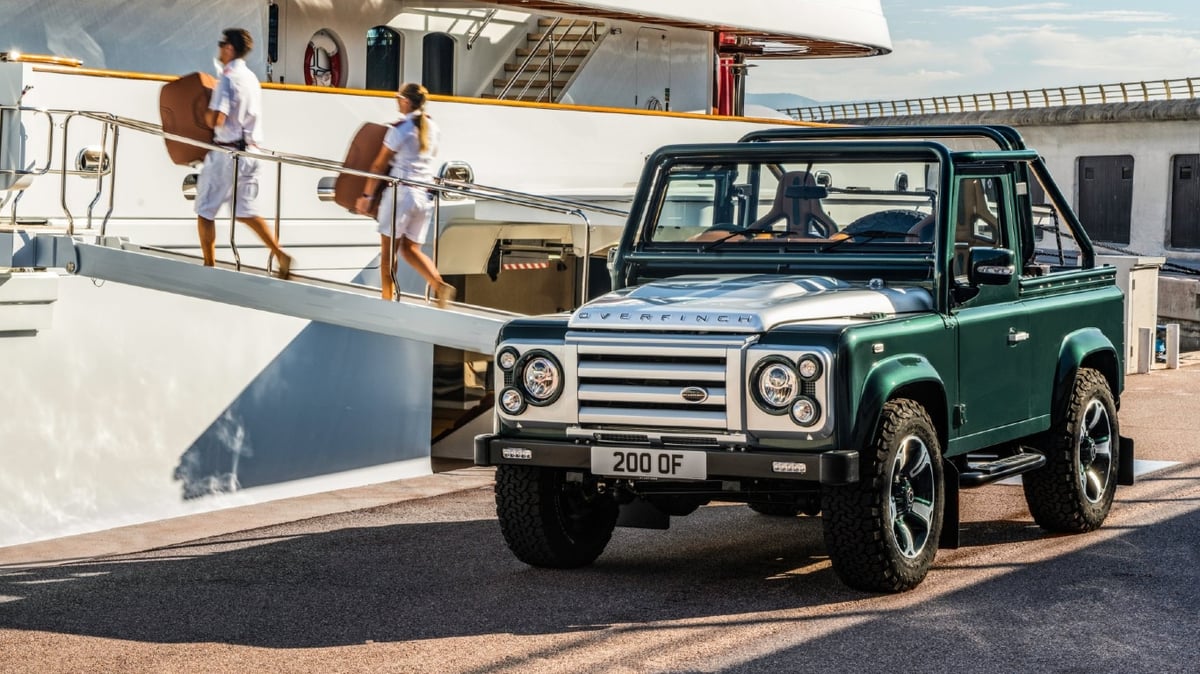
(1074, 491)
(549, 521)
(882, 532)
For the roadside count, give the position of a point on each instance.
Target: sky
(941, 49)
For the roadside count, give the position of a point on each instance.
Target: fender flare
(1079, 346)
(887, 377)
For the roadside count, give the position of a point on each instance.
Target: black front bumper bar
(831, 467)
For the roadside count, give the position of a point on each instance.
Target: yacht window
(437, 63)
(383, 59)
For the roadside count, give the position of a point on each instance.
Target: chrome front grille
(665, 381)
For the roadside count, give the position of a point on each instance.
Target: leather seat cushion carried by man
(363, 150)
(182, 105)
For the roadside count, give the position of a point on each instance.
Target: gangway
(459, 326)
(462, 326)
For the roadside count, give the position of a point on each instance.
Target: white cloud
(1054, 12)
(1114, 16)
(987, 11)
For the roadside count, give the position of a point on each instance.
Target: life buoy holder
(322, 61)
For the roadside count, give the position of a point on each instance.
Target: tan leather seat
(804, 216)
(972, 208)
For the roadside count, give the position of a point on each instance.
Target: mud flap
(949, 538)
(1125, 461)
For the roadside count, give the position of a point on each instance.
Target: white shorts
(413, 206)
(215, 185)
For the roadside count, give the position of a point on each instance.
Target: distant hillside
(781, 101)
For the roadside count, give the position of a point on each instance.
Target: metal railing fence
(1049, 97)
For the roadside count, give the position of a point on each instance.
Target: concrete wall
(1179, 302)
(1152, 132)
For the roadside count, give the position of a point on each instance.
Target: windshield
(824, 206)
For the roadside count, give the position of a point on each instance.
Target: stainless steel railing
(472, 36)
(106, 166)
(552, 40)
(1123, 92)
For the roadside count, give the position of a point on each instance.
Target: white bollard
(1145, 352)
(1172, 340)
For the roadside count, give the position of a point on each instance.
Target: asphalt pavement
(414, 577)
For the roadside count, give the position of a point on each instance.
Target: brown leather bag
(182, 105)
(363, 150)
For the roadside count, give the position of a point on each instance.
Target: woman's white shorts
(414, 206)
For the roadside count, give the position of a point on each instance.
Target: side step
(987, 472)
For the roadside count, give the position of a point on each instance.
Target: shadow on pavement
(1126, 605)
(388, 580)
(273, 589)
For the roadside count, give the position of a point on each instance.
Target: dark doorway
(1185, 201)
(383, 59)
(1106, 197)
(437, 64)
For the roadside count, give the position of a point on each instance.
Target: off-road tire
(550, 522)
(1076, 448)
(864, 522)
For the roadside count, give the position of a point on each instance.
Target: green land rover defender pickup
(854, 323)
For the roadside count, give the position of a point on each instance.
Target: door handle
(1015, 337)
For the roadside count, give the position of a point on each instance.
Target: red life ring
(322, 63)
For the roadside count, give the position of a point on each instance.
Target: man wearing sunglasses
(235, 114)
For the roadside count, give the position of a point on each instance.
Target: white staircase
(543, 67)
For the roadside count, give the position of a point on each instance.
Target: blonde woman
(407, 152)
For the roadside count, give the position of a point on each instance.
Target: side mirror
(990, 266)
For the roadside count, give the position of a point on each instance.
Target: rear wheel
(882, 532)
(549, 521)
(1074, 491)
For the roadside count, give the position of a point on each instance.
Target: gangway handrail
(443, 185)
(439, 187)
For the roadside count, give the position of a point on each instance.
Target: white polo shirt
(404, 141)
(239, 95)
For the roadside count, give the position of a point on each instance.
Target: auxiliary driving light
(809, 368)
(512, 401)
(805, 411)
(516, 453)
(507, 359)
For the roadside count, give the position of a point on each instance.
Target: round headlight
(511, 401)
(809, 367)
(805, 411)
(507, 359)
(542, 378)
(777, 384)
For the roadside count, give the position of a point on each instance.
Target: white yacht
(142, 386)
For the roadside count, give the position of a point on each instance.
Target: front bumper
(829, 467)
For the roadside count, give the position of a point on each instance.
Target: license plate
(665, 463)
